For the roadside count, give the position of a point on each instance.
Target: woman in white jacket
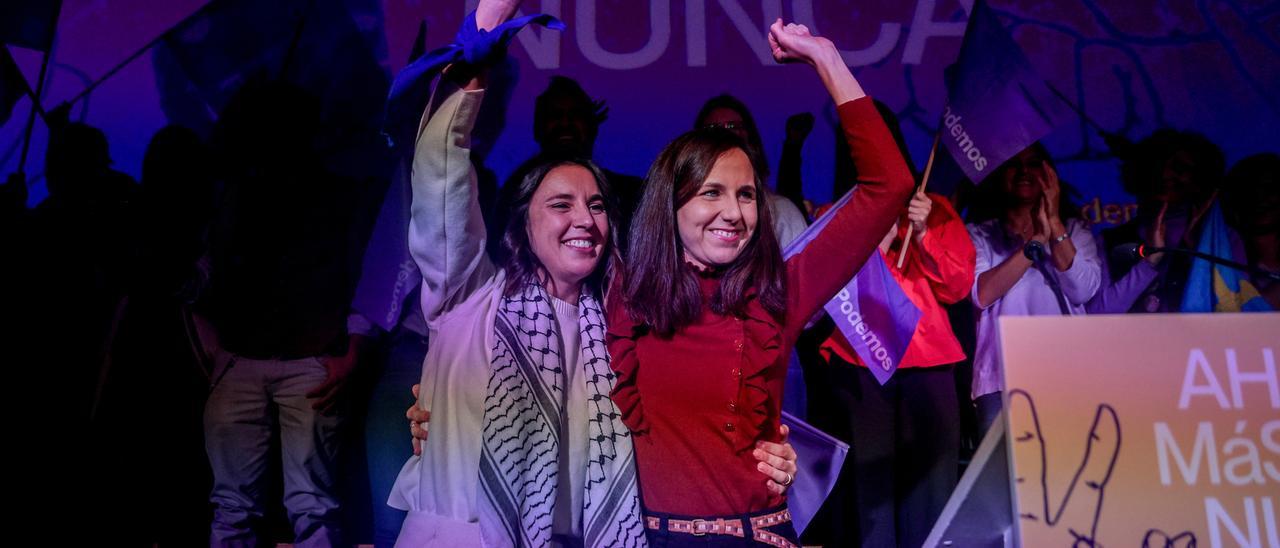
(526, 447)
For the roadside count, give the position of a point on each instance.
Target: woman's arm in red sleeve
(945, 253)
(830, 260)
(620, 338)
(839, 251)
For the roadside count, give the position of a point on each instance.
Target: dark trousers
(386, 445)
(903, 461)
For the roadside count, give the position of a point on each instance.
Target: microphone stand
(1144, 251)
(1035, 252)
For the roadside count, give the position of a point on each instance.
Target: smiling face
(716, 224)
(568, 227)
(1020, 176)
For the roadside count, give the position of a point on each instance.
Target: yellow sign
(1144, 430)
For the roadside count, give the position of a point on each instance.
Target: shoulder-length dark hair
(513, 252)
(661, 289)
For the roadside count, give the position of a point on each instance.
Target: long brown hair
(661, 289)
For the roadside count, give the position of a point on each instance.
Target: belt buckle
(694, 527)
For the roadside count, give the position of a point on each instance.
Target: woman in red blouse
(701, 327)
(905, 433)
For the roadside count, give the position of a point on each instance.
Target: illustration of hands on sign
(1078, 509)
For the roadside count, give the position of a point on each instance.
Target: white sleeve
(447, 230)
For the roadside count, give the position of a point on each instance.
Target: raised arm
(944, 251)
(1118, 296)
(446, 228)
(831, 259)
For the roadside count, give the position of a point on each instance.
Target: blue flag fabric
(1217, 288)
(819, 458)
(997, 104)
(13, 85)
(412, 87)
(217, 49)
(872, 311)
(29, 23)
(318, 45)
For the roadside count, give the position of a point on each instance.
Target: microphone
(1131, 251)
(1034, 251)
(1134, 251)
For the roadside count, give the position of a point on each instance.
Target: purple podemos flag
(872, 311)
(997, 104)
(819, 458)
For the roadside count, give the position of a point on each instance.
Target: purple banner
(997, 104)
(1132, 66)
(876, 317)
(819, 458)
(871, 311)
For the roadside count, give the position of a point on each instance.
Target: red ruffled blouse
(698, 401)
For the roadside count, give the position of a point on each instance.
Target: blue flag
(872, 311)
(1217, 288)
(316, 44)
(389, 273)
(412, 87)
(997, 104)
(29, 23)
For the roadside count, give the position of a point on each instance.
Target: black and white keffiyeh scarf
(522, 430)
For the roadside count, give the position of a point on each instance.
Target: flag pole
(924, 181)
(295, 39)
(31, 117)
(1076, 108)
(203, 9)
(123, 64)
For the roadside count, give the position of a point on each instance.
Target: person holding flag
(905, 430)
(526, 446)
(997, 109)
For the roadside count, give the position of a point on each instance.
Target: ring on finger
(790, 479)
